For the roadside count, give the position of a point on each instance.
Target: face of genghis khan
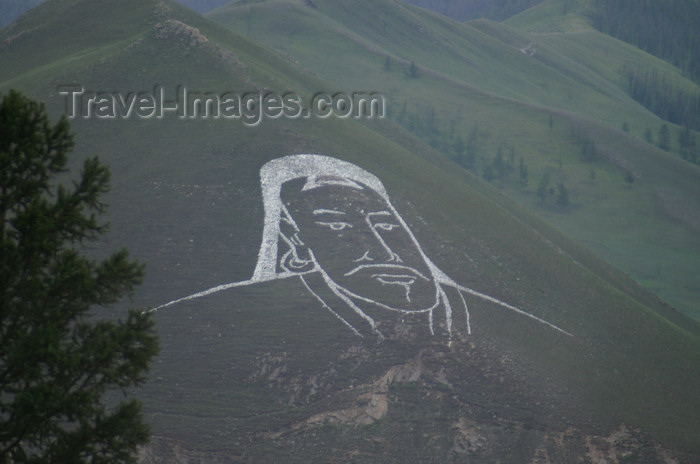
(357, 238)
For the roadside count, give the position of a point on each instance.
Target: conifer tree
(523, 173)
(562, 195)
(543, 187)
(387, 63)
(58, 361)
(472, 148)
(647, 135)
(413, 70)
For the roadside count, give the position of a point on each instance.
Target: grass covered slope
(264, 373)
(552, 97)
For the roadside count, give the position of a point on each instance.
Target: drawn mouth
(397, 274)
(393, 275)
(395, 279)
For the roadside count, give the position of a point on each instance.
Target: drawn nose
(365, 257)
(379, 250)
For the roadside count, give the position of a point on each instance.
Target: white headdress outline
(275, 173)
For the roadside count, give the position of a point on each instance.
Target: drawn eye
(335, 226)
(387, 226)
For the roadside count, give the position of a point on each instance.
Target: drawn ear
(299, 258)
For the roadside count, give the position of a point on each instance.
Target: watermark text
(251, 108)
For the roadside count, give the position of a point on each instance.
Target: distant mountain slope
(266, 370)
(475, 9)
(553, 99)
(12, 9)
(203, 5)
(667, 29)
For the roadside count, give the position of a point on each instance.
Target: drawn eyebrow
(380, 213)
(327, 211)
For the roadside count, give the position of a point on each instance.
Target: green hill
(265, 372)
(545, 87)
(472, 9)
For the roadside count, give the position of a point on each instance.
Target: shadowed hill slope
(265, 372)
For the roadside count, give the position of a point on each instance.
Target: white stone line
(216, 289)
(323, 303)
(512, 308)
(466, 312)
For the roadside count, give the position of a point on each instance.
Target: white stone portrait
(332, 225)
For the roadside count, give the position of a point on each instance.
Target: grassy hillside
(545, 87)
(264, 373)
(663, 30)
(473, 9)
